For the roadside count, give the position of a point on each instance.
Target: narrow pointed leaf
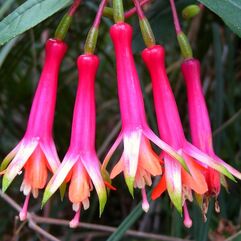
(28, 15)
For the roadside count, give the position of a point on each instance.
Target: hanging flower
(81, 166)
(178, 182)
(36, 152)
(201, 132)
(138, 161)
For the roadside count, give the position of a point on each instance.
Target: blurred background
(218, 49)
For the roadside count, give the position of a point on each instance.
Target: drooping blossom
(36, 152)
(178, 182)
(81, 166)
(200, 126)
(138, 161)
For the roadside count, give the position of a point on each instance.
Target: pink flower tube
(36, 152)
(80, 165)
(200, 124)
(138, 161)
(178, 182)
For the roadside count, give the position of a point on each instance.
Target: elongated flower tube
(199, 119)
(138, 161)
(80, 165)
(201, 132)
(36, 152)
(178, 182)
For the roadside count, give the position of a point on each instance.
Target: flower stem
(146, 30)
(92, 36)
(183, 42)
(133, 10)
(175, 17)
(99, 14)
(138, 9)
(118, 11)
(74, 7)
(108, 11)
(65, 22)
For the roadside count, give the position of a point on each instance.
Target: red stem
(133, 10)
(175, 17)
(139, 9)
(74, 7)
(99, 14)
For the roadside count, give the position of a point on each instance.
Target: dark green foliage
(21, 60)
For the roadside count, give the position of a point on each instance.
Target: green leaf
(127, 223)
(228, 10)
(6, 49)
(26, 16)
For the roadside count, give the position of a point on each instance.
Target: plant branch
(34, 219)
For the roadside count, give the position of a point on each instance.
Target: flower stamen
(187, 219)
(24, 211)
(75, 221)
(145, 203)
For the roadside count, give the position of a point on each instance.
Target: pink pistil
(145, 203)
(24, 212)
(75, 221)
(187, 220)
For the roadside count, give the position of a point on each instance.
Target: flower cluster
(183, 168)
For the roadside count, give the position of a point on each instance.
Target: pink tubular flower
(36, 152)
(200, 125)
(176, 180)
(80, 165)
(138, 161)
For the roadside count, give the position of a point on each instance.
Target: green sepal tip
(102, 201)
(130, 184)
(5, 183)
(176, 198)
(62, 190)
(224, 182)
(46, 197)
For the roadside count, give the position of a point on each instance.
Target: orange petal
(148, 159)
(79, 188)
(36, 169)
(69, 175)
(159, 189)
(196, 181)
(118, 168)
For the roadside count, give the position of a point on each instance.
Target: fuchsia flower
(36, 152)
(138, 161)
(80, 165)
(176, 180)
(200, 126)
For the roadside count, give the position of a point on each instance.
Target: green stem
(118, 11)
(63, 27)
(91, 41)
(184, 45)
(66, 21)
(147, 32)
